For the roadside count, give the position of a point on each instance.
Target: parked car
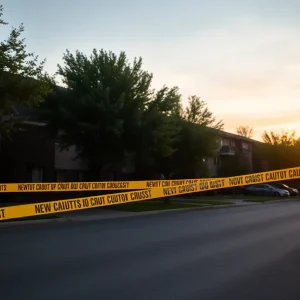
(265, 190)
(282, 186)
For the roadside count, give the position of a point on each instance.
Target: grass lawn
(149, 206)
(39, 217)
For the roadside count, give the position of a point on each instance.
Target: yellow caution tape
(60, 206)
(92, 186)
(133, 185)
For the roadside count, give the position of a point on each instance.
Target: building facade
(31, 156)
(236, 153)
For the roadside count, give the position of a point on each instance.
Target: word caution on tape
(92, 186)
(192, 186)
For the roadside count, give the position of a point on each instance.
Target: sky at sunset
(242, 57)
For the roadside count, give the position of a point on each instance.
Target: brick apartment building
(232, 145)
(31, 156)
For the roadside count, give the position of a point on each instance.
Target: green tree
(234, 165)
(245, 131)
(22, 80)
(281, 150)
(159, 131)
(197, 139)
(197, 112)
(285, 138)
(108, 107)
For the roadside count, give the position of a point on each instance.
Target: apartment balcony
(227, 150)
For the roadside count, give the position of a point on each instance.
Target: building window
(37, 174)
(225, 142)
(245, 145)
(232, 143)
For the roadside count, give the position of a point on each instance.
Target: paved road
(234, 253)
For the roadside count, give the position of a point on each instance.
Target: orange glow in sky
(241, 57)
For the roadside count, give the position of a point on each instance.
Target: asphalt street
(239, 253)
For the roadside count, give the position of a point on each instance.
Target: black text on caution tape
(2, 213)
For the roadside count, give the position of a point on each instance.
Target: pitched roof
(236, 136)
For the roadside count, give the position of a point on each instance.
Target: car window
(264, 186)
(261, 186)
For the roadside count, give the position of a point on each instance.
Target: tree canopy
(108, 107)
(284, 139)
(198, 139)
(280, 149)
(22, 80)
(197, 112)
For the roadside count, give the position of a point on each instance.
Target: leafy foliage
(22, 81)
(108, 108)
(234, 165)
(198, 139)
(159, 129)
(197, 112)
(284, 139)
(281, 150)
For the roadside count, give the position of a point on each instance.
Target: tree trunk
(166, 200)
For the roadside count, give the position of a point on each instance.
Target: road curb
(281, 201)
(134, 215)
(274, 201)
